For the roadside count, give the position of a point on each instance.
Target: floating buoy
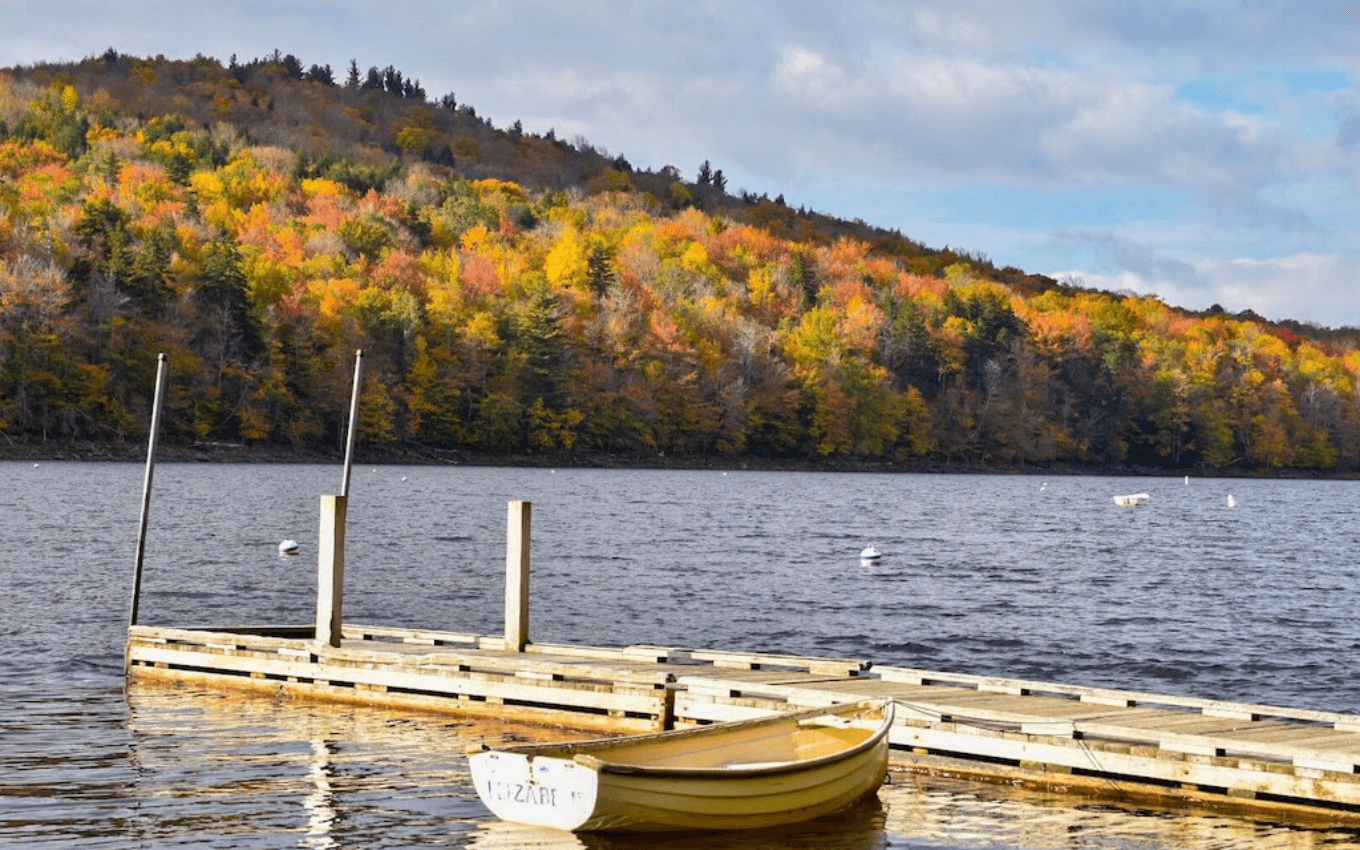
(288, 547)
(870, 556)
(1232, 502)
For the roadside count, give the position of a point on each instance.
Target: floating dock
(1213, 755)
(1089, 741)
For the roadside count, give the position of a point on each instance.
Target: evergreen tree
(230, 332)
(538, 332)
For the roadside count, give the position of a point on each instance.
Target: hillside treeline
(586, 307)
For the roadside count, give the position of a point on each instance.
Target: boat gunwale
(565, 751)
(777, 769)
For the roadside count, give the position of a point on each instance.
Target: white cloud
(805, 76)
(1320, 288)
(1323, 288)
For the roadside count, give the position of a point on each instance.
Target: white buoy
(1232, 502)
(1187, 481)
(870, 556)
(288, 547)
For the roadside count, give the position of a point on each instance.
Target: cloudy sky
(1205, 151)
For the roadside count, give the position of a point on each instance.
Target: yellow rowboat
(769, 771)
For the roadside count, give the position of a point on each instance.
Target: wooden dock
(1089, 741)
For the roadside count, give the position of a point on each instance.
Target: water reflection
(265, 773)
(321, 803)
(860, 827)
(931, 812)
(923, 813)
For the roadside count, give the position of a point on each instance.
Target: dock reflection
(958, 814)
(322, 803)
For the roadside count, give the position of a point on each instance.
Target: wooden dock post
(330, 570)
(519, 514)
(330, 550)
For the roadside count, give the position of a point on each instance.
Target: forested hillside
(519, 294)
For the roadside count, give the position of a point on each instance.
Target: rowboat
(769, 771)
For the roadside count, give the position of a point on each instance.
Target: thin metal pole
(146, 486)
(353, 421)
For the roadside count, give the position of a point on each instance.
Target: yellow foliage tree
(567, 265)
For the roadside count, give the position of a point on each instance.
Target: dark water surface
(1012, 576)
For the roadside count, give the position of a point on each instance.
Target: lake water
(1028, 577)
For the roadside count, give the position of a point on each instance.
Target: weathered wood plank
(1154, 765)
(1289, 733)
(1117, 696)
(568, 695)
(757, 660)
(423, 636)
(639, 653)
(511, 664)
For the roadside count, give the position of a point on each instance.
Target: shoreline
(216, 452)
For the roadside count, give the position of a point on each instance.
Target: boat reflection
(859, 827)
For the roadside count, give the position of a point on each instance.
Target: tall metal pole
(353, 421)
(146, 486)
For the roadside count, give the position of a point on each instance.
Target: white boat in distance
(1133, 500)
(769, 771)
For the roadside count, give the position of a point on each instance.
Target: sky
(1205, 152)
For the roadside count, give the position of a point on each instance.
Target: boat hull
(580, 792)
